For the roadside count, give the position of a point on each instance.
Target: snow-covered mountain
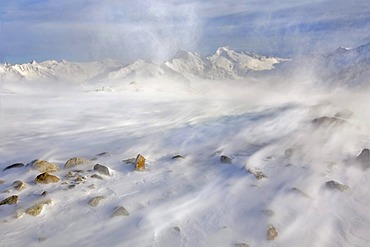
(225, 63)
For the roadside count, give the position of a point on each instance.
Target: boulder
(75, 161)
(97, 176)
(16, 165)
(120, 211)
(140, 163)
(272, 233)
(334, 185)
(44, 166)
(102, 169)
(46, 178)
(37, 208)
(10, 200)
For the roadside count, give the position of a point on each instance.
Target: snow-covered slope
(224, 64)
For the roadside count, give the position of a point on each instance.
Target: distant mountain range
(225, 63)
(344, 65)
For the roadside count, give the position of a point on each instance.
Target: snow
(197, 200)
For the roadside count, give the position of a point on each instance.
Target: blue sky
(81, 30)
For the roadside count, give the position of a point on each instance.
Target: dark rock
(177, 229)
(102, 169)
(97, 176)
(120, 211)
(364, 158)
(130, 161)
(327, 121)
(10, 200)
(46, 178)
(44, 193)
(72, 186)
(103, 154)
(16, 165)
(177, 157)
(272, 233)
(337, 186)
(225, 159)
(140, 163)
(241, 245)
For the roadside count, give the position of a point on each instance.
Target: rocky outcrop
(46, 178)
(44, 166)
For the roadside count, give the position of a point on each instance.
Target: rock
(97, 176)
(177, 157)
(268, 212)
(299, 192)
(11, 200)
(288, 153)
(257, 173)
(241, 245)
(364, 158)
(46, 178)
(119, 210)
(75, 161)
(335, 185)
(103, 154)
(71, 175)
(140, 163)
(225, 159)
(44, 166)
(102, 169)
(72, 186)
(327, 121)
(44, 193)
(16, 165)
(345, 114)
(177, 229)
(37, 208)
(93, 202)
(78, 171)
(130, 161)
(19, 185)
(2, 181)
(272, 233)
(80, 179)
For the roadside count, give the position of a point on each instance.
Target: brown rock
(10, 200)
(93, 202)
(37, 208)
(256, 172)
(272, 233)
(140, 163)
(19, 185)
(46, 178)
(2, 181)
(119, 210)
(75, 161)
(44, 166)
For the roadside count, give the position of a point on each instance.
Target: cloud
(129, 30)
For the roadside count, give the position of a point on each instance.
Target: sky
(125, 30)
